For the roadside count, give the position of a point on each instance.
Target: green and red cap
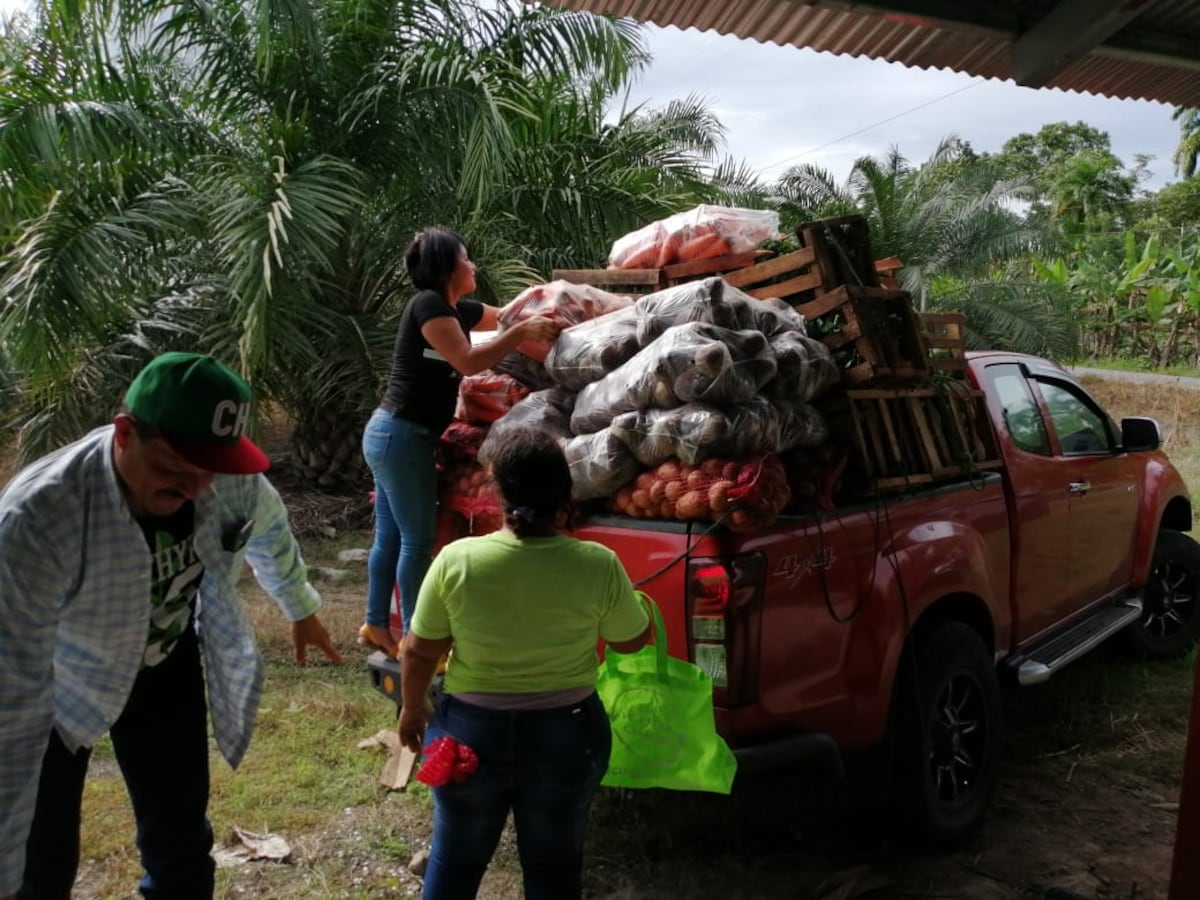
(202, 410)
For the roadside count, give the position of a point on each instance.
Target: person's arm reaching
(445, 335)
(274, 556)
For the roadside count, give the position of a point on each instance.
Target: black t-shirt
(423, 387)
(174, 579)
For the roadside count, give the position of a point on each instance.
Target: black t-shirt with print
(175, 577)
(423, 387)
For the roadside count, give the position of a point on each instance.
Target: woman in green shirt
(522, 611)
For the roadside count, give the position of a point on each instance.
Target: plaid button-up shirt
(75, 613)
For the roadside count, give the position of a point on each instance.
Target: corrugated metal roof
(1156, 56)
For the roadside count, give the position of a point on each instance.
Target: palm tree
(951, 221)
(1187, 153)
(242, 178)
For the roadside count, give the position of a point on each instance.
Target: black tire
(946, 737)
(1170, 622)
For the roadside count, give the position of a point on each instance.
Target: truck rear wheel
(1170, 621)
(946, 749)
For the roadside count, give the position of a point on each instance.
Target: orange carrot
(643, 259)
(669, 252)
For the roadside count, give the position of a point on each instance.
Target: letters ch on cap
(230, 419)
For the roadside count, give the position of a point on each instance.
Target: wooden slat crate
(902, 437)
(873, 333)
(615, 281)
(843, 250)
(792, 277)
(945, 341)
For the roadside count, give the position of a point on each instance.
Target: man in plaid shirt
(119, 556)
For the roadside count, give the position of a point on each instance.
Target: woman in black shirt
(433, 350)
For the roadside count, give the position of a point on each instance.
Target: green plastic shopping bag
(661, 710)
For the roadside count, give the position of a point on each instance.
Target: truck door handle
(1079, 487)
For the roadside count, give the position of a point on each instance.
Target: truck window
(1020, 411)
(1081, 428)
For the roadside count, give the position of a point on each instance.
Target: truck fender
(1164, 504)
(935, 564)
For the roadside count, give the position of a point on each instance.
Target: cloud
(785, 105)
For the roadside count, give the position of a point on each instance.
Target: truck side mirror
(1140, 433)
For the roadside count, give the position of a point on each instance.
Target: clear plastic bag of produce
(549, 409)
(528, 372)
(565, 303)
(743, 494)
(600, 464)
(800, 424)
(701, 233)
(585, 353)
(806, 368)
(484, 398)
(691, 362)
(697, 431)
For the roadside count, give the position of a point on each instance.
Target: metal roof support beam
(1068, 32)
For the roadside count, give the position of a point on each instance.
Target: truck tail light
(724, 601)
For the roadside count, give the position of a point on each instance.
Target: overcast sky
(782, 105)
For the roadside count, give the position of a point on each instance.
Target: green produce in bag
(661, 710)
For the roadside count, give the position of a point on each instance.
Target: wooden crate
(792, 277)
(615, 281)
(873, 332)
(842, 249)
(902, 437)
(945, 341)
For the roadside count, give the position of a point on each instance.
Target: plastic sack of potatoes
(600, 464)
(806, 368)
(800, 424)
(698, 431)
(588, 351)
(549, 409)
(527, 371)
(695, 361)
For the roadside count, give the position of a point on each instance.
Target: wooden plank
(824, 304)
(785, 289)
(598, 277)
(771, 268)
(711, 266)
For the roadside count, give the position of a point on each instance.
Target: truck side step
(1044, 660)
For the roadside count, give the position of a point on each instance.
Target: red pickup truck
(892, 622)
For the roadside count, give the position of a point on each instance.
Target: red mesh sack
(484, 398)
(462, 440)
(466, 489)
(565, 303)
(744, 494)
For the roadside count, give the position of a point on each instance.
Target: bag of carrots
(705, 232)
(565, 303)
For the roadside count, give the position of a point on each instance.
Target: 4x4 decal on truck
(794, 566)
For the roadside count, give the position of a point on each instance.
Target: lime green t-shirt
(526, 615)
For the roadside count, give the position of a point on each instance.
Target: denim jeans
(161, 745)
(401, 456)
(545, 766)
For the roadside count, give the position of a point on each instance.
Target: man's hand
(309, 632)
(413, 721)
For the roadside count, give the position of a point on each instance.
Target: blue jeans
(544, 765)
(161, 745)
(401, 456)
